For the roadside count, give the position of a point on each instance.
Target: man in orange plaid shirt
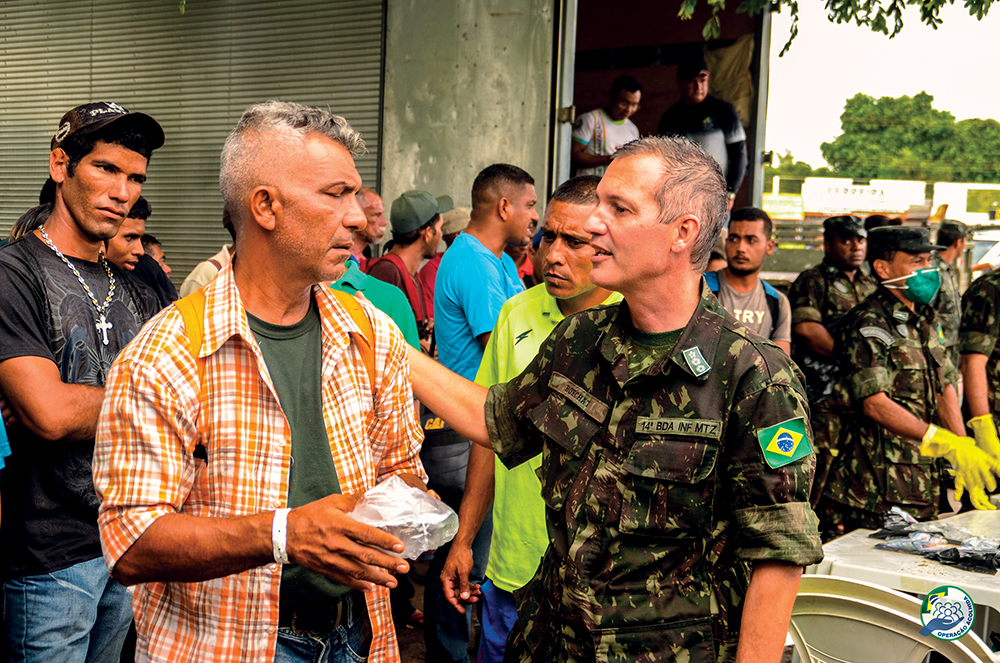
(226, 472)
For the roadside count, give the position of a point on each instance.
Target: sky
(830, 63)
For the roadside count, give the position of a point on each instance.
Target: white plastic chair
(839, 620)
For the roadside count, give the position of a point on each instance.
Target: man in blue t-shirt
(474, 280)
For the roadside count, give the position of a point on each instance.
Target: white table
(855, 556)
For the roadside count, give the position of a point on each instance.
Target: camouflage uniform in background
(824, 294)
(885, 347)
(659, 491)
(947, 303)
(980, 330)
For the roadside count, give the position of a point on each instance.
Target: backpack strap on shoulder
(192, 310)
(366, 342)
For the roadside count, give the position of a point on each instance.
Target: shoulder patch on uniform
(785, 443)
(696, 361)
(878, 333)
(902, 316)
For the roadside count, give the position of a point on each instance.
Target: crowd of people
(643, 454)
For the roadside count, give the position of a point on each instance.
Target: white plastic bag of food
(419, 520)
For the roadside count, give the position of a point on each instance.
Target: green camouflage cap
(846, 226)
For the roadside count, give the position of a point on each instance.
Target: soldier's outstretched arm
(949, 411)
(461, 403)
(973, 367)
(767, 611)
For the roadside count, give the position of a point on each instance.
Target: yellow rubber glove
(974, 469)
(986, 435)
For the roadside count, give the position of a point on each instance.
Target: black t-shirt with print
(49, 519)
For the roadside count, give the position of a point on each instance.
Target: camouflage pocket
(572, 431)
(689, 641)
(907, 483)
(665, 486)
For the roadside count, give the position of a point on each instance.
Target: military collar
(695, 349)
(894, 306)
(863, 272)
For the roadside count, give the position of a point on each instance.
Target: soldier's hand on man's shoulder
(324, 539)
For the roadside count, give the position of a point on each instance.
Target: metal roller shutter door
(195, 73)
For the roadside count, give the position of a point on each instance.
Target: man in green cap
(416, 232)
(903, 387)
(820, 297)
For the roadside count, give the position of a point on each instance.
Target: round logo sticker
(947, 613)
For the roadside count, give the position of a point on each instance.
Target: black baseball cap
(909, 239)
(691, 69)
(88, 118)
(846, 226)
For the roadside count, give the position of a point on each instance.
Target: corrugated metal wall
(195, 73)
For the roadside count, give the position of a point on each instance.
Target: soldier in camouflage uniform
(979, 334)
(820, 297)
(902, 384)
(675, 443)
(952, 236)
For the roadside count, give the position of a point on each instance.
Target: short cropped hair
(247, 163)
(499, 176)
(627, 83)
(579, 190)
(950, 232)
(140, 210)
(691, 182)
(753, 214)
(148, 242)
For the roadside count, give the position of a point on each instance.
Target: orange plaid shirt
(144, 466)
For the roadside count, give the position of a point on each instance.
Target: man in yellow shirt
(519, 535)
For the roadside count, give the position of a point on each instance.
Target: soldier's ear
(881, 268)
(688, 228)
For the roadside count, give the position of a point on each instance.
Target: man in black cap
(65, 313)
(903, 387)
(952, 235)
(820, 297)
(709, 121)
(416, 233)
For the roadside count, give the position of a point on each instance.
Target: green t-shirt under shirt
(293, 357)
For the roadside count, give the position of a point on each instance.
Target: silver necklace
(102, 321)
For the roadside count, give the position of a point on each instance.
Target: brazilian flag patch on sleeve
(785, 443)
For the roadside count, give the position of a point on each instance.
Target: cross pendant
(103, 326)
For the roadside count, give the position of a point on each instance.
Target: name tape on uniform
(694, 427)
(590, 404)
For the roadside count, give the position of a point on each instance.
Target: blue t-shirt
(471, 287)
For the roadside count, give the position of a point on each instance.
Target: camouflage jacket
(659, 491)
(824, 294)
(885, 347)
(980, 330)
(947, 303)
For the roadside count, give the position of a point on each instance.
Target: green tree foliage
(875, 14)
(907, 138)
(793, 173)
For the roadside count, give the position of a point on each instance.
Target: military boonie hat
(846, 226)
(88, 118)
(414, 209)
(456, 220)
(909, 239)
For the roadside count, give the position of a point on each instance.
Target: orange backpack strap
(365, 344)
(192, 309)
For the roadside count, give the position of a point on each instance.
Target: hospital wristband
(279, 536)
